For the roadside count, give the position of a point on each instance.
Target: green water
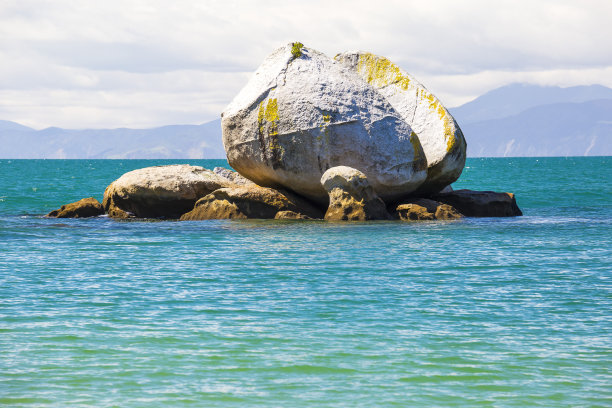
(510, 312)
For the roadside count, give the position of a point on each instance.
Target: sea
(481, 312)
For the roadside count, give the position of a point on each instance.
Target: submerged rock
(249, 202)
(160, 192)
(291, 215)
(422, 209)
(303, 113)
(87, 207)
(440, 136)
(351, 198)
(481, 203)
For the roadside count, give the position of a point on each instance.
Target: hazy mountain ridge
(8, 125)
(531, 120)
(514, 120)
(166, 142)
(513, 99)
(561, 129)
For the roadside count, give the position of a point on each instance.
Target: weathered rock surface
(422, 209)
(303, 113)
(439, 134)
(87, 207)
(351, 198)
(481, 203)
(249, 202)
(160, 192)
(232, 176)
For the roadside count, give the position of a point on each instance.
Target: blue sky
(144, 63)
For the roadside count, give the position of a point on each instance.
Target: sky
(146, 63)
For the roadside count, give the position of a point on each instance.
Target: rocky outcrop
(481, 203)
(423, 209)
(87, 207)
(303, 113)
(351, 198)
(347, 132)
(291, 215)
(439, 134)
(232, 176)
(160, 192)
(249, 202)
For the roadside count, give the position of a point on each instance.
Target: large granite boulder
(481, 203)
(303, 113)
(160, 192)
(251, 201)
(351, 198)
(439, 134)
(423, 209)
(87, 207)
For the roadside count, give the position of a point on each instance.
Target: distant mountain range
(515, 120)
(529, 120)
(167, 142)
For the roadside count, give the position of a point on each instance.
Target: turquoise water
(507, 312)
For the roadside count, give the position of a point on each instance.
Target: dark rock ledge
(87, 207)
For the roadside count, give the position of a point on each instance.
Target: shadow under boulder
(251, 201)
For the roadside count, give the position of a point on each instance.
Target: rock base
(194, 193)
(250, 202)
(161, 191)
(351, 198)
(85, 208)
(423, 209)
(481, 203)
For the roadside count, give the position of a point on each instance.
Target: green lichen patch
(296, 49)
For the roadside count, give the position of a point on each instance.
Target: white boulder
(160, 191)
(303, 113)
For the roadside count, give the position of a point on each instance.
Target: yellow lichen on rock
(324, 128)
(268, 113)
(272, 110)
(381, 72)
(451, 139)
(267, 118)
(436, 106)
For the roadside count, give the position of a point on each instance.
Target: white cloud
(153, 62)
